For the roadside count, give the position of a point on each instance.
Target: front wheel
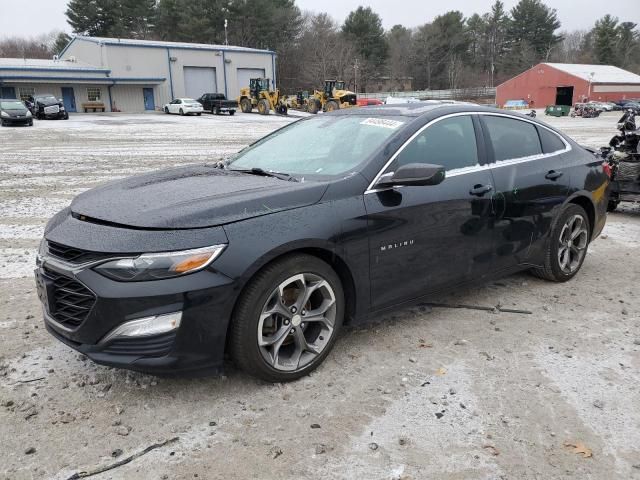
(567, 245)
(287, 319)
(166, 110)
(182, 112)
(264, 107)
(245, 105)
(232, 112)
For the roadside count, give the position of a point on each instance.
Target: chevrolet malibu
(328, 221)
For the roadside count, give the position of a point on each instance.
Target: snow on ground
(46, 165)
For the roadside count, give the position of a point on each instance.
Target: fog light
(146, 327)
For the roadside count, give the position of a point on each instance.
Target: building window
(26, 93)
(94, 94)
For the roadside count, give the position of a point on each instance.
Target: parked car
(48, 107)
(217, 103)
(14, 112)
(184, 106)
(329, 220)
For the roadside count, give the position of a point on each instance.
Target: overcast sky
(32, 17)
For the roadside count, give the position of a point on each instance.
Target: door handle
(553, 175)
(481, 190)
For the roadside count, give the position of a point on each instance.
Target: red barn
(567, 83)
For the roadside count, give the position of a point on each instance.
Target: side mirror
(413, 175)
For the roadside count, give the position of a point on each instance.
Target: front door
(69, 99)
(8, 92)
(149, 102)
(531, 179)
(429, 238)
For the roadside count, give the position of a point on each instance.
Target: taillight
(607, 169)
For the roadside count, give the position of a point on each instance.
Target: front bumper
(17, 121)
(205, 299)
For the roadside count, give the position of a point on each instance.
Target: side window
(550, 141)
(450, 142)
(512, 138)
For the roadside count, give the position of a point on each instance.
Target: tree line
(451, 51)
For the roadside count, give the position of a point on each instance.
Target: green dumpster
(558, 110)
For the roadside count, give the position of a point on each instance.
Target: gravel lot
(421, 394)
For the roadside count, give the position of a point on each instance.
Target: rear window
(550, 141)
(512, 138)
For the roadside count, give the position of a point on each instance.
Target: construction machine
(259, 95)
(334, 97)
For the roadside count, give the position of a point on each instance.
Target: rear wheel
(216, 111)
(245, 105)
(263, 107)
(182, 112)
(287, 319)
(567, 246)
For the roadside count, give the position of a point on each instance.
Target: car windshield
(322, 146)
(189, 100)
(48, 98)
(12, 105)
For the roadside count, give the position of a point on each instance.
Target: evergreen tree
(61, 41)
(532, 30)
(605, 40)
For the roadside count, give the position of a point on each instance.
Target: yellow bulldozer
(334, 97)
(259, 95)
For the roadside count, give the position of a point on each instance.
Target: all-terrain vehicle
(623, 155)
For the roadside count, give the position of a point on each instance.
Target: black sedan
(328, 221)
(14, 112)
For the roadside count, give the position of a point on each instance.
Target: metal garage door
(199, 80)
(246, 74)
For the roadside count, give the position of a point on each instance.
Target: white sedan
(184, 106)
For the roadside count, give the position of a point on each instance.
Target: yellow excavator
(334, 97)
(259, 95)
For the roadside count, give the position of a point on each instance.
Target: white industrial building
(135, 75)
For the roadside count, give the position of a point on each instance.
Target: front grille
(156, 346)
(72, 301)
(74, 255)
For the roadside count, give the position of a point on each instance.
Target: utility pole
(355, 70)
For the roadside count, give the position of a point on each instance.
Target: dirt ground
(421, 394)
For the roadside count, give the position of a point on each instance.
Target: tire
(216, 111)
(245, 105)
(2, 124)
(232, 112)
(182, 112)
(263, 107)
(313, 106)
(552, 269)
(247, 329)
(166, 110)
(612, 205)
(31, 123)
(199, 113)
(332, 106)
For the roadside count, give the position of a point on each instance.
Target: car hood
(47, 103)
(196, 196)
(14, 112)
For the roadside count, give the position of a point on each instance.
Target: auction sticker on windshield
(382, 122)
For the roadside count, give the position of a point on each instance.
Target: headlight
(61, 108)
(156, 266)
(29, 114)
(4, 114)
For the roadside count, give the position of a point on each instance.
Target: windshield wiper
(267, 173)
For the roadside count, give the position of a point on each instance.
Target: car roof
(417, 109)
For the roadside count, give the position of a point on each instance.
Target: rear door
(427, 238)
(531, 180)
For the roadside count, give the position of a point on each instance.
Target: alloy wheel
(297, 322)
(573, 242)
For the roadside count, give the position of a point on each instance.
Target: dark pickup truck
(217, 103)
